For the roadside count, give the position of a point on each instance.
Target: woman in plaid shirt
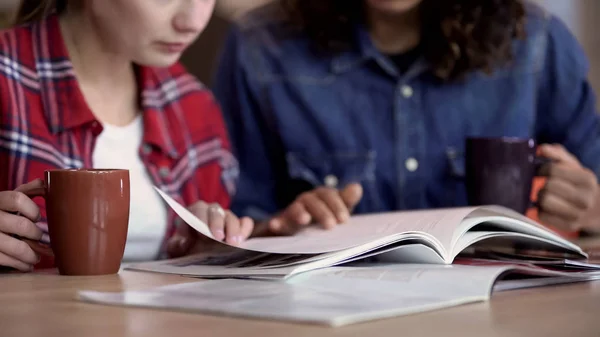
(96, 84)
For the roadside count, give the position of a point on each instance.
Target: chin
(393, 6)
(158, 60)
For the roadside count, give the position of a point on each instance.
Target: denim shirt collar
(366, 51)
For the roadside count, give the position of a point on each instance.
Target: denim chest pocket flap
(334, 169)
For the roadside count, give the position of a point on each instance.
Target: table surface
(45, 305)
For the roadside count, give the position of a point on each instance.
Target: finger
(577, 176)
(282, 226)
(569, 193)
(290, 221)
(232, 229)
(17, 249)
(216, 223)
(200, 210)
(247, 227)
(351, 195)
(12, 201)
(179, 245)
(319, 210)
(554, 205)
(32, 188)
(19, 225)
(297, 214)
(8, 261)
(333, 200)
(557, 222)
(176, 247)
(182, 240)
(558, 153)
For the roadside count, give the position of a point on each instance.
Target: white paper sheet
(333, 297)
(186, 215)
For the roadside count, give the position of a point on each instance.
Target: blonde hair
(36, 10)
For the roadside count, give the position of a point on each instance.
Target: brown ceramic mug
(88, 214)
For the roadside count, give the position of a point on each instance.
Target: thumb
(351, 195)
(558, 153)
(33, 188)
(182, 241)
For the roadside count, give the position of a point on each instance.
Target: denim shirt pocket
(456, 177)
(336, 170)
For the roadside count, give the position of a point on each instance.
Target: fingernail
(330, 223)
(235, 240)
(220, 235)
(343, 216)
(305, 218)
(275, 224)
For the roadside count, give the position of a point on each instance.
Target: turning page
(359, 230)
(362, 229)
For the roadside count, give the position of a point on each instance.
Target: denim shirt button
(411, 164)
(407, 91)
(331, 181)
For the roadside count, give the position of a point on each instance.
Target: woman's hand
(325, 206)
(570, 192)
(18, 214)
(224, 226)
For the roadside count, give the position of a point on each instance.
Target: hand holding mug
(18, 214)
(569, 193)
(87, 213)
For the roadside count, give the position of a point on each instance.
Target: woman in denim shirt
(337, 106)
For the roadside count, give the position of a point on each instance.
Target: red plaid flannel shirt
(45, 122)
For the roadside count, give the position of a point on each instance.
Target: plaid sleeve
(21, 161)
(25, 152)
(27, 146)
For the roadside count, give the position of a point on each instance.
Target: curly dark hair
(457, 36)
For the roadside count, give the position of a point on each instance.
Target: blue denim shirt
(298, 120)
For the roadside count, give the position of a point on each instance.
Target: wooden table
(44, 305)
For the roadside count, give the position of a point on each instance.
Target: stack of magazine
(418, 261)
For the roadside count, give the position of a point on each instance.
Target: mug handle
(35, 245)
(540, 164)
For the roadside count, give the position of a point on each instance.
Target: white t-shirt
(118, 147)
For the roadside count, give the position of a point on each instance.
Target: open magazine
(417, 237)
(339, 296)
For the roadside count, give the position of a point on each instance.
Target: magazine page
(359, 230)
(257, 265)
(334, 296)
(506, 220)
(438, 225)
